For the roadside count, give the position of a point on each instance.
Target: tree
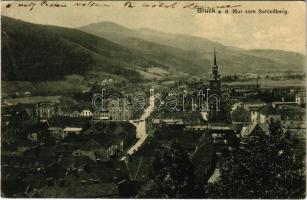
(265, 167)
(172, 175)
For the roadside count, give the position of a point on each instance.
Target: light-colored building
(254, 115)
(86, 113)
(265, 114)
(205, 115)
(46, 110)
(121, 113)
(101, 115)
(284, 105)
(254, 130)
(300, 98)
(253, 105)
(71, 130)
(120, 109)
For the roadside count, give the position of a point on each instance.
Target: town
(63, 146)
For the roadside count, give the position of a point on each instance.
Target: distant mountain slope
(32, 52)
(116, 32)
(283, 57)
(175, 58)
(198, 51)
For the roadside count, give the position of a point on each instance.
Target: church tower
(215, 81)
(217, 113)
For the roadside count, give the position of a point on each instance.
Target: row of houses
(290, 117)
(290, 114)
(225, 136)
(44, 111)
(47, 111)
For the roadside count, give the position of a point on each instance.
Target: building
(268, 113)
(103, 115)
(215, 80)
(120, 109)
(284, 105)
(55, 130)
(121, 114)
(105, 82)
(265, 114)
(254, 114)
(254, 130)
(75, 113)
(300, 98)
(291, 117)
(71, 130)
(215, 105)
(224, 137)
(205, 115)
(86, 113)
(167, 121)
(294, 118)
(253, 105)
(46, 110)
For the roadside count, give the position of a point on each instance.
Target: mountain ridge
(45, 52)
(35, 48)
(240, 60)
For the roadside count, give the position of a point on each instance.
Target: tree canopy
(172, 175)
(240, 115)
(265, 167)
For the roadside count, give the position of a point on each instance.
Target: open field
(264, 83)
(30, 100)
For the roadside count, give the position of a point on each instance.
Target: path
(141, 127)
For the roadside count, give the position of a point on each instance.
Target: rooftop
(72, 129)
(221, 126)
(168, 121)
(247, 130)
(55, 129)
(269, 110)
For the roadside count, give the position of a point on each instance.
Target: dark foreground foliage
(265, 167)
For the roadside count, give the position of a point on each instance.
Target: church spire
(214, 62)
(215, 68)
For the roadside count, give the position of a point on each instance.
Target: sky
(248, 31)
